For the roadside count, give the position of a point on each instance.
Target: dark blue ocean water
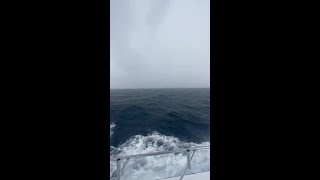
(181, 113)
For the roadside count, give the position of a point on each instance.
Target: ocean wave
(161, 166)
(112, 126)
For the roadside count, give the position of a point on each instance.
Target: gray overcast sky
(159, 43)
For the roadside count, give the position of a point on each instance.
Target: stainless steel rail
(188, 165)
(119, 159)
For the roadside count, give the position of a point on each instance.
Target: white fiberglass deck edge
(197, 176)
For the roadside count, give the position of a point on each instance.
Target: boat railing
(122, 161)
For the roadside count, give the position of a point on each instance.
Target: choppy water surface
(149, 120)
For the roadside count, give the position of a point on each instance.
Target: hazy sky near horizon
(159, 43)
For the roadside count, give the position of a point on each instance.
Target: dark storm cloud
(159, 43)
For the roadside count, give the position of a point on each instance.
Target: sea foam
(161, 166)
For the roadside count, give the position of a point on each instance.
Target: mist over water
(149, 120)
(159, 43)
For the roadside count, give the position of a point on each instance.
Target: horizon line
(165, 88)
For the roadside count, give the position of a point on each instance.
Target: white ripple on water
(112, 126)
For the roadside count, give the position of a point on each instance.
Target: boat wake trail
(153, 120)
(161, 166)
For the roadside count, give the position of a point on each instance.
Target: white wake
(112, 126)
(161, 166)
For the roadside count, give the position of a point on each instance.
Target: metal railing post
(124, 165)
(118, 168)
(187, 165)
(188, 159)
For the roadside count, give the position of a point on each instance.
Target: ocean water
(149, 120)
